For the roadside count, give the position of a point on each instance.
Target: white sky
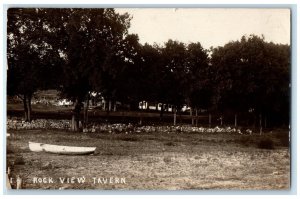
(209, 26)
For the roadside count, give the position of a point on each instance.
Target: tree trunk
(174, 117)
(115, 106)
(109, 105)
(74, 127)
(25, 109)
(75, 116)
(104, 105)
(29, 108)
(85, 112)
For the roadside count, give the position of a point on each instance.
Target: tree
(125, 81)
(199, 78)
(28, 53)
(247, 72)
(93, 48)
(174, 73)
(199, 74)
(148, 81)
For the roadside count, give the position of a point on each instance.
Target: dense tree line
(79, 51)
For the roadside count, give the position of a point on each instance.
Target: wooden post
(260, 125)
(174, 117)
(254, 120)
(109, 105)
(196, 117)
(235, 120)
(209, 120)
(265, 121)
(221, 120)
(104, 105)
(191, 114)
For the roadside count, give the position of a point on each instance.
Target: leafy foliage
(249, 73)
(79, 51)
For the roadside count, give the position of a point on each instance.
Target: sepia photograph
(148, 98)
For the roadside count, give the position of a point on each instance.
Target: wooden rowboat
(58, 149)
(36, 147)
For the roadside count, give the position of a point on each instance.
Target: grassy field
(153, 161)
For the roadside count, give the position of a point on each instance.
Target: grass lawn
(152, 161)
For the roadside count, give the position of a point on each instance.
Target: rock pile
(123, 128)
(37, 124)
(116, 128)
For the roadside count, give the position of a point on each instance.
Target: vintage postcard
(148, 98)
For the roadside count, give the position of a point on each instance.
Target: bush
(246, 140)
(266, 143)
(170, 144)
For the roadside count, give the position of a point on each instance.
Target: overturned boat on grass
(58, 149)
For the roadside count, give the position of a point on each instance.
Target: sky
(209, 26)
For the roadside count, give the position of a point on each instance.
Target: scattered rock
(38, 124)
(117, 128)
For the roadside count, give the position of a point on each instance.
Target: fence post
(109, 105)
(221, 120)
(196, 117)
(191, 114)
(260, 125)
(174, 117)
(103, 105)
(235, 120)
